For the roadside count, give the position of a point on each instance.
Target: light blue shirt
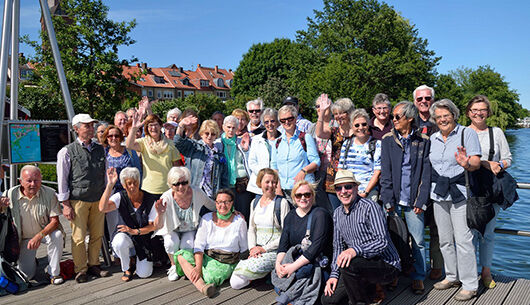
(290, 157)
(442, 155)
(406, 167)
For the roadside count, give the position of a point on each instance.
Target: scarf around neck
(230, 148)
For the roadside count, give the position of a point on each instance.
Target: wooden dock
(158, 290)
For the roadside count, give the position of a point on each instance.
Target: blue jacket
(391, 163)
(195, 154)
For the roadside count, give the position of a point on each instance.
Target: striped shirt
(363, 229)
(359, 160)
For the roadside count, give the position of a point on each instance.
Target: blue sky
(187, 33)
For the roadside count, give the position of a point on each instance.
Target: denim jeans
(334, 201)
(416, 227)
(486, 243)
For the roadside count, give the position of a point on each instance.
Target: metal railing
(524, 186)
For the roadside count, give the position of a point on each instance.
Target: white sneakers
(172, 273)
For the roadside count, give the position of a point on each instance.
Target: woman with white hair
(138, 212)
(454, 150)
(237, 163)
(173, 115)
(179, 223)
(341, 111)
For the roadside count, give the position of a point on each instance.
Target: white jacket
(258, 158)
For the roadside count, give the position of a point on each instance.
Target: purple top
(379, 133)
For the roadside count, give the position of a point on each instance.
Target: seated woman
(138, 215)
(265, 228)
(179, 224)
(305, 244)
(362, 250)
(220, 239)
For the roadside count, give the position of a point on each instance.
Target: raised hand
(4, 201)
(160, 206)
(461, 157)
(324, 102)
(245, 141)
(112, 175)
(190, 120)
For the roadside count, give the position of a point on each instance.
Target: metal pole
(13, 172)
(6, 32)
(57, 58)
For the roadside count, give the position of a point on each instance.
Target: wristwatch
(139, 232)
(501, 164)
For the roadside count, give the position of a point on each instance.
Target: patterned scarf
(230, 148)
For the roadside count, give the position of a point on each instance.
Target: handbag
(479, 210)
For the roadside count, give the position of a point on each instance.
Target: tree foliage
(350, 49)
(88, 41)
(464, 83)
(204, 104)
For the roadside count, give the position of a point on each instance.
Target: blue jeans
(416, 226)
(486, 243)
(334, 201)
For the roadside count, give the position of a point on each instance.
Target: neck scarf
(156, 147)
(225, 217)
(230, 148)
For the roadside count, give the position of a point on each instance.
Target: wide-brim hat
(82, 118)
(345, 176)
(170, 123)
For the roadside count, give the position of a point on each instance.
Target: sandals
(127, 276)
(208, 290)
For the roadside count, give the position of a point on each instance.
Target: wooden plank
(255, 291)
(437, 297)
(403, 284)
(406, 296)
(267, 299)
(497, 294)
(520, 293)
(146, 292)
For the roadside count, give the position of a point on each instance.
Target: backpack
(400, 237)
(371, 148)
(12, 279)
(301, 137)
(277, 207)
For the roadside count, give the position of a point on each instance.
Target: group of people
(265, 191)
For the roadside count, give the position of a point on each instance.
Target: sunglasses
(269, 122)
(317, 106)
(300, 195)
(361, 124)
(255, 111)
(421, 98)
(289, 119)
(224, 202)
(113, 136)
(339, 188)
(183, 183)
(398, 117)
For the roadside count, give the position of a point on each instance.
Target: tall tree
(369, 48)
(88, 41)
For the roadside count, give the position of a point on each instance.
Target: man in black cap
(301, 123)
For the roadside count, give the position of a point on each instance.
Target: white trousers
(54, 243)
(175, 241)
(122, 244)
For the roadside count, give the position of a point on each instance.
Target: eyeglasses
(477, 111)
(208, 134)
(421, 98)
(300, 195)
(317, 106)
(183, 183)
(113, 136)
(381, 108)
(340, 114)
(254, 111)
(156, 125)
(224, 202)
(269, 122)
(361, 124)
(287, 120)
(398, 117)
(339, 188)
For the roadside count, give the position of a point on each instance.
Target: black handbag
(479, 209)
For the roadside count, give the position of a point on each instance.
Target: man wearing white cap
(81, 178)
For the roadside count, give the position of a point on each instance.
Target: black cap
(290, 100)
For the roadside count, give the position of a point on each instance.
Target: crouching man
(35, 212)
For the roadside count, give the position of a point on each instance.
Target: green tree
(88, 41)
(369, 48)
(42, 104)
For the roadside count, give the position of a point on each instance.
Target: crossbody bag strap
(492, 144)
(348, 145)
(465, 170)
(308, 226)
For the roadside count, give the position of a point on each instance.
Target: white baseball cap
(82, 118)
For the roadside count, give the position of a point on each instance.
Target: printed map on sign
(25, 143)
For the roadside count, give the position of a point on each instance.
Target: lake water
(512, 253)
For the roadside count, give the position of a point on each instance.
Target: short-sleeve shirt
(359, 160)
(116, 198)
(442, 156)
(156, 167)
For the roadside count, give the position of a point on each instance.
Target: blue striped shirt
(363, 229)
(360, 161)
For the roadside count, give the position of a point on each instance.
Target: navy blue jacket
(391, 160)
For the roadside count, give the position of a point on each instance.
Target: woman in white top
(181, 219)
(478, 110)
(264, 232)
(220, 239)
(259, 155)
